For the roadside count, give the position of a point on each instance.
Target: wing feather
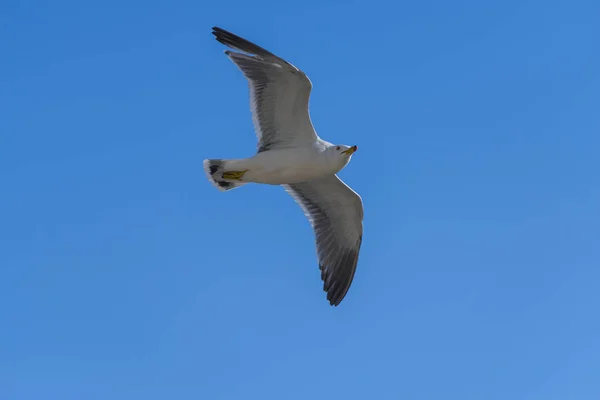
(279, 94)
(336, 214)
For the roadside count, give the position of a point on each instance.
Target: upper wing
(336, 213)
(279, 94)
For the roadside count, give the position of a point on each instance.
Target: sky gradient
(125, 275)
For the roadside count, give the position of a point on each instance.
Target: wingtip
(334, 302)
(218, 33)
(334, 297)
(236, 42)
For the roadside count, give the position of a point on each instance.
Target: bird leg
(234, 175)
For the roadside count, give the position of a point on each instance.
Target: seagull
(291, 154)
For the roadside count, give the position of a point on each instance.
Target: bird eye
(337, 148)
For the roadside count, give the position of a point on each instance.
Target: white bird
(291, 154)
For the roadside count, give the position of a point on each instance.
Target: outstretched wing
(279, 94)
(336, 214)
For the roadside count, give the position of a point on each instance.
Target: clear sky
(125, 275)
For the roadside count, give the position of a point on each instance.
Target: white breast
(282, 166)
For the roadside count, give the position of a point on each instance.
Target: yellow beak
(350, 151)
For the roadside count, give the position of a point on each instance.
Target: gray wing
(336, 213)
(279, 94)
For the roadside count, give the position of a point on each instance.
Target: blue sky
(124, 274)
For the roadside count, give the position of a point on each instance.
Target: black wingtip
(337, 284)
(236, 42)
(221, 34)
(219, 31)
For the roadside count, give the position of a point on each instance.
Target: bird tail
(220, 178)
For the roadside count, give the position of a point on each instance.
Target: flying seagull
(291, 154)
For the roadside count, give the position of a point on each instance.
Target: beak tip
(350, 151)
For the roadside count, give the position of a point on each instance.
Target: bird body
(286, 166)
(291, 154)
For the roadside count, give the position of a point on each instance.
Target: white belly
(277, 167)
